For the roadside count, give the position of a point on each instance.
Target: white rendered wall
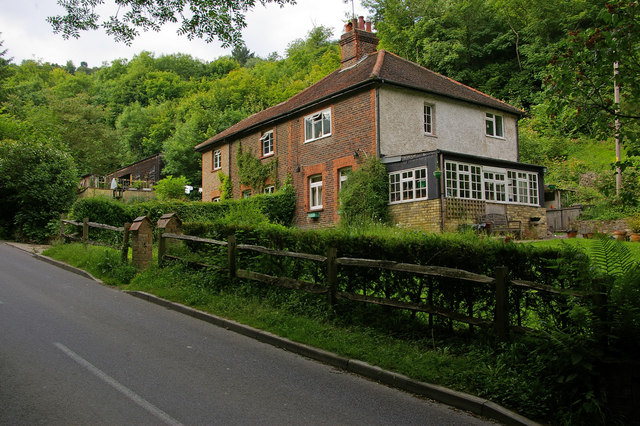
(458, 126)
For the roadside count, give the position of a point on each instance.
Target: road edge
(461, 400)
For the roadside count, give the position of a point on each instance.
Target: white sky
(27, 35)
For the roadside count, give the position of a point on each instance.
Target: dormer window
(317, 126)
(267, 143)
(493, 123)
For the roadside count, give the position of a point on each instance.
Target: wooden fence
(332, 262)
(84, 238)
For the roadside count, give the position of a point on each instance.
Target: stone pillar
(169, 223)
(141, 234)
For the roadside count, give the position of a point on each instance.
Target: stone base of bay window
(425, 215)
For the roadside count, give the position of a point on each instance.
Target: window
(408, 185)
(315, 192)
(490, 184)
(428, 119)
(267, 143)
(216, 199)
(523, 187)
(343, 175)
(494, 125)
(269, 189)
(495, 184)
(317, 126)
(217, 159)
(246, 193)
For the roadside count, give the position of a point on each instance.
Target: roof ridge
(379, 62)
(437, 74)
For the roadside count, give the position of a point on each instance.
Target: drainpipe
(442, 178)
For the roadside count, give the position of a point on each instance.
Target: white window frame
(266, 142)
(216, 199)
(315, 192)
(494, 185)
(246, 193)
(408, 185)
(343, 175)
(494, 125)
(269, 189)
(428, 119)
(317, 126)
(217, 159)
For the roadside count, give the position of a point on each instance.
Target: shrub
(171, 188)
(38, 183)
(365, 195)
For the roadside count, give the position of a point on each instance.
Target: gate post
(141, 242)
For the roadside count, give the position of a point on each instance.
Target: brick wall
(353, 137)
(424, 215)
(530, 230)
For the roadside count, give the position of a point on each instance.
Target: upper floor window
(267, 143)
(317, 126)
(315, 192)
(408, 185)
(217, 159)
(493, 123)
(427, 119)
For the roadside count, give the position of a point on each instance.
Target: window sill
(317, 139)
(271, 154)
(215, 170)
(430, 135)
(413, 200)
(496, 137)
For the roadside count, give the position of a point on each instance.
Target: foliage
(581, 76)
(226, 187)
(364, 196)
(634, 222)
(210, 20)
(171, 188)
(253, 172)
(100, 210)
(38, 184)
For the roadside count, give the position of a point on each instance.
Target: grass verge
(521, 375)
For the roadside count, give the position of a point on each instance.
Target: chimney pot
(368, 26)
(361, 22)
(348, 27)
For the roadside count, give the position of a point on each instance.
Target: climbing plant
(226, 189)
(252, 172)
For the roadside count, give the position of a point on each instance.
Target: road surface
(75, 352)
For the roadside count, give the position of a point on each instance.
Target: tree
(171, 188)
(581, 78)
(206, 19)
(38, 183)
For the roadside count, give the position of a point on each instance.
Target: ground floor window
(315, 192)
(475, 182)
(408, 185)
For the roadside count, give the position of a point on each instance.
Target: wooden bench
(500, 223)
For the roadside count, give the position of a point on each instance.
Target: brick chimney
(357, 42)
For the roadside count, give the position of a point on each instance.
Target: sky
(26, 35)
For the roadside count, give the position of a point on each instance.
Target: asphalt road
(76, 352)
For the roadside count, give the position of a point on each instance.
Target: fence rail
(85, 224)
(331, 262)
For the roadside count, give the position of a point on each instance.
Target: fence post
(231, 255)
(501, 320)
(85, 230)
(332, 275)
(162, 246)
(62, 225)
(125, 243)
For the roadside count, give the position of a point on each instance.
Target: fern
(610, 257)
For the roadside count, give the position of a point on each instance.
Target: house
(147, 171)
(451, 151)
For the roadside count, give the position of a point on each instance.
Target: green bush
(38, 184)
(171, 188)
(364, 197)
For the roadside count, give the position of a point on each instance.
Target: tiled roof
(381, 67)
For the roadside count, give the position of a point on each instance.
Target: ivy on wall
(252, 172)
(226, 189)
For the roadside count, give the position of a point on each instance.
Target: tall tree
(206, 19)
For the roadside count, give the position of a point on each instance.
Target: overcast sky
(26, 34)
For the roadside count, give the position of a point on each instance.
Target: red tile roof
(381, 67)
